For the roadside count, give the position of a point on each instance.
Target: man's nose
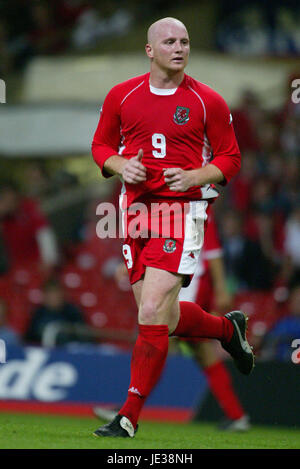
(178, 46)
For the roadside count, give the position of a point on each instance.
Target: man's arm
(181, 180)
(227, 159)
(107, 137)
(106, 143)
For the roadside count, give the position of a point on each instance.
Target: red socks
(195, 322)
(151, 349)
(148, 359)
(220, 384)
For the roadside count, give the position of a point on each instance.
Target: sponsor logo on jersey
(181, 115)
(169, 246)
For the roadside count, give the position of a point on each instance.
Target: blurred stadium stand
(57, 75)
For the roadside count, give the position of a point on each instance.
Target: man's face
(170, 47)
(8, 202)
(54, 297)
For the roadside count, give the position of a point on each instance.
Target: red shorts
(168, 240)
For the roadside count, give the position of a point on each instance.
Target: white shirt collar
(162, 91)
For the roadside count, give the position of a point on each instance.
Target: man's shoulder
(122, 89)
(204, 91)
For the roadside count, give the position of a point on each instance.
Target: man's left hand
(178, 179)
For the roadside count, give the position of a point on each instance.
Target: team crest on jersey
(181, 115)
(170, 245)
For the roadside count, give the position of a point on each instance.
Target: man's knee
(149, 312)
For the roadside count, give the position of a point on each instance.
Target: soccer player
(158, 132)
(207, 289)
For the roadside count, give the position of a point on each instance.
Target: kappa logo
(127, 425)
(169, 246)
(134, 391)
(181, 115)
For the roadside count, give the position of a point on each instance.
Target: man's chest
(175, 117)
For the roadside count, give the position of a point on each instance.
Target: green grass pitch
(19, 431)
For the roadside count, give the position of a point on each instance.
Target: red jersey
(186, 127)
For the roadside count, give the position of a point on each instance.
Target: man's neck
(163, 80)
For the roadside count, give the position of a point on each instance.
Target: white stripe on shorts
(193, 237)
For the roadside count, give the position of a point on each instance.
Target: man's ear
(149, 51)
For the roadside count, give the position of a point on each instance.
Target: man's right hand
(134, 171)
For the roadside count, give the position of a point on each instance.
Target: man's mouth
(177, 59)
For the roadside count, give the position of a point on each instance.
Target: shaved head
(168, 49)
(156, 29)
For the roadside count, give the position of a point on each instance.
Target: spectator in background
(45, 36)
(14, 28)
(247, 119)
(108, 19)
(26, 233)
(233, 245)
(5, 59)
(250, 257)
(288, 193)
(290, 136)
(37, 181)
(241, 187)
(277, 342)
(7, 333)
(260, 259)
(54, 310)
(291, 264)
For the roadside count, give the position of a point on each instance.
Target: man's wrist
(115, 165)
(208, 174)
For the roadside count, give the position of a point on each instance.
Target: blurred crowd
(258, 218)
(41, 27)
(260, 211)
(43, 281)
(29, 28)
(259, 28)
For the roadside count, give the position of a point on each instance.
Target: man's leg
(157, 310)
(158, 314)
(230, 330)
(195, 322)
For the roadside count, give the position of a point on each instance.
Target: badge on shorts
(169, 246)
(181, 115)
